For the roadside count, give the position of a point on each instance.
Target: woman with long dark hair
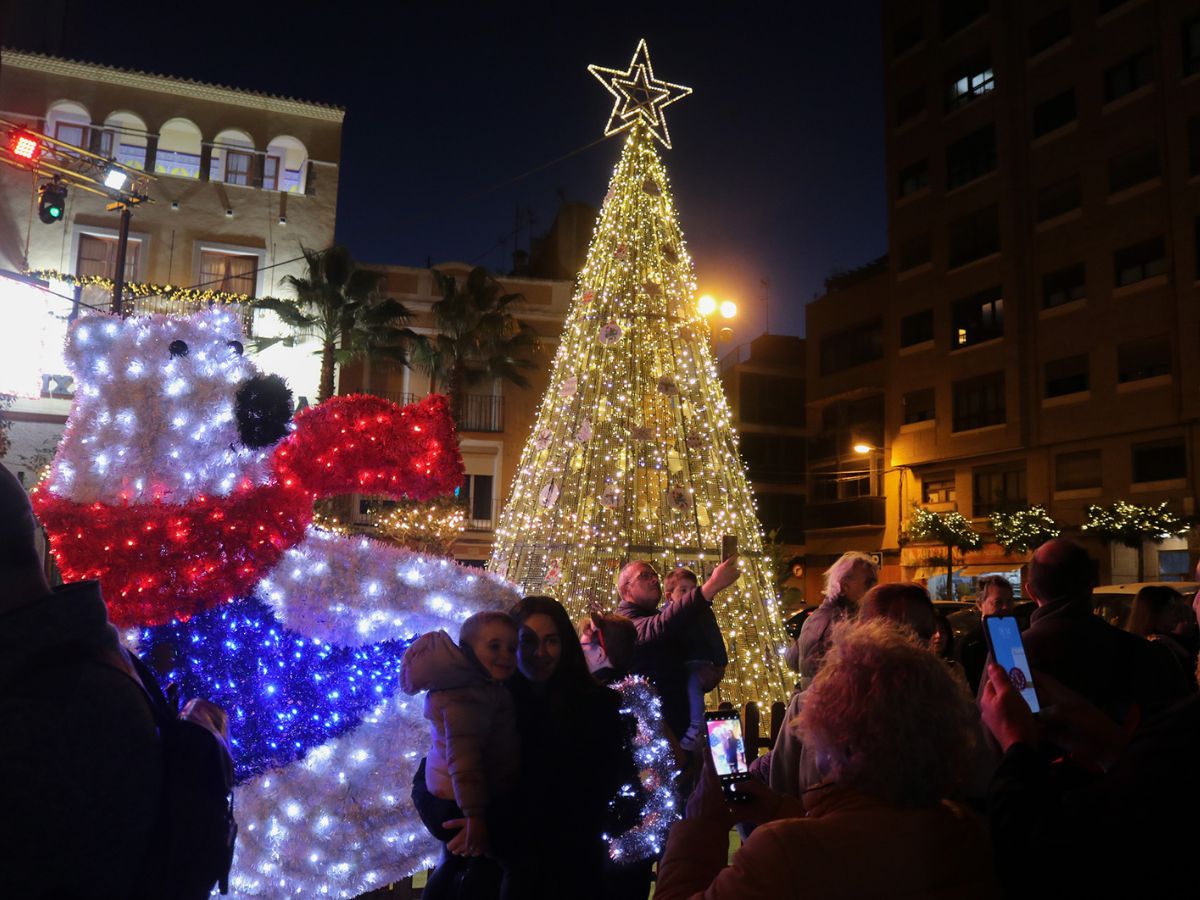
(574, 760)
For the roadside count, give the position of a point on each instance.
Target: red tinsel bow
(157, 562)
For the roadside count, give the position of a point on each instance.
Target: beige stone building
(242, 181)
(496, 418)
(1032, 336)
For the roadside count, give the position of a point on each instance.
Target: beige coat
(475, 749)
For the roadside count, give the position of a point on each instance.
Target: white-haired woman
(846, 581)
(892, 733)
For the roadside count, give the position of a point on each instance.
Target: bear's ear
(89, 339)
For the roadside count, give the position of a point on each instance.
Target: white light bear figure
(182, 485)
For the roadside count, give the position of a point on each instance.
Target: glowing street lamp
(706, 305)
(862, 449)
(728, 309)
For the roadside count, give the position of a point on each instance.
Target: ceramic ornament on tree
(184, 486)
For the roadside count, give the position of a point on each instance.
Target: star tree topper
(639, 96)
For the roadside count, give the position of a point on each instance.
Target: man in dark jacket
(1117, 671)
(660, 654)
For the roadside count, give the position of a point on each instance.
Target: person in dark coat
(80, 763)
(1119, 672)
(661, 651)
(1065, 816)
(574, 760)
(705, 656)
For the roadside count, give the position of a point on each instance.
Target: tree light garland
(634, 454)
(1025, 529)
(208, 561)
(655, 761)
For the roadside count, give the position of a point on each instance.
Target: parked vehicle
(1112, 602)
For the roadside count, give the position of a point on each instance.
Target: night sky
(777, 165)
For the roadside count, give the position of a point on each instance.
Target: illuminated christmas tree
(633, 455)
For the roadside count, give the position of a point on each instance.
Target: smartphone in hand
(1004, 641)
(729, 544)
(727, 750)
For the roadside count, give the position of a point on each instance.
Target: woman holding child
(574, 759)
(539, 812)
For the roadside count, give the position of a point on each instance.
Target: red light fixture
(25, 146)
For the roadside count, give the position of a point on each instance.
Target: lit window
(235, 273)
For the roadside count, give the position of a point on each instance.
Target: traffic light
(52, 203)
(24, 145)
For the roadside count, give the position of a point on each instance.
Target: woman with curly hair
(892, 734)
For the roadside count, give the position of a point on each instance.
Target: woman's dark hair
(1154, 610)
(572, 673)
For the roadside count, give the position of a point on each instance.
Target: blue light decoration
(285, 693)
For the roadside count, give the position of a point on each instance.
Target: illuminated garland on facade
(174, 292)
(949, 528)
(1129, 524)
(1025, 529)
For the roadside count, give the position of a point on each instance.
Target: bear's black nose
(264, 408)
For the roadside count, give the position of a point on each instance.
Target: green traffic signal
(53, 199)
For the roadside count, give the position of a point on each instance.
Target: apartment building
(242, 181)
(765, 383)
(1032, 336)
(496, 418)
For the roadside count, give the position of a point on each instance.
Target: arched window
(178, 149)
(69, 122)
(232, 158)
(124, 139)
(285, 166)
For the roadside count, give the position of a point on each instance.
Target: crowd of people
(902, 768)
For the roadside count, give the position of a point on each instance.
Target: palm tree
(343, 305)
(476, 338)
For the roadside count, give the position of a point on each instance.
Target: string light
(185, 298)
(634, 453)
(1130, 524)
(154, 493)
(655, 760)
(1025, 529)
(430, 527)
(950, 528)
(209, 563)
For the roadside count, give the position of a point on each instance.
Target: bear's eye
(178, 348)
(236, 347)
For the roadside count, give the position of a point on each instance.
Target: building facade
(496, 418)
(765, 383)
(242, 181)
(1033, 335)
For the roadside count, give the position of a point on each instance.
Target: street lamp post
(708, 306)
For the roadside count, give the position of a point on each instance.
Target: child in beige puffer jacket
(474, 757)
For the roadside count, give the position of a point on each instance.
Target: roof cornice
(184, 87)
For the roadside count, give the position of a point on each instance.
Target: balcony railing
(481, 412)
(857, 512)
(400, 398)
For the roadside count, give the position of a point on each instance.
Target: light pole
(708, 306)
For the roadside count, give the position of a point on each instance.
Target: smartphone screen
(1004, 638)
(726, 747)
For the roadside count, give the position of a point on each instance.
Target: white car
(1112, 602)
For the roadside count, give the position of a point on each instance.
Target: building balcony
(480, 412)
(857, 512)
